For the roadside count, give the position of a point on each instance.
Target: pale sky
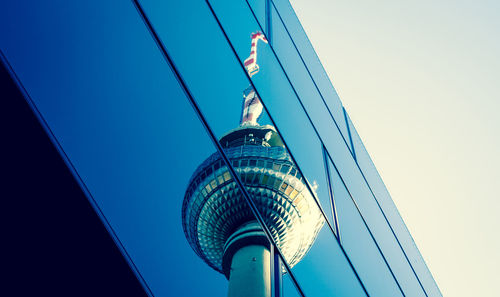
(421, 82)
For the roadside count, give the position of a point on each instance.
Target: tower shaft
(250, 274)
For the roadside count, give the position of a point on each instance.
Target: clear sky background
(421, 82)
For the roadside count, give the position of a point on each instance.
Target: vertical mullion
(353, 151)
(276, 270)
(268, 24)
(333, 208)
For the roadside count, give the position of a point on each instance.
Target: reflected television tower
(217, 220)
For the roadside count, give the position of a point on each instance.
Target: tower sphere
(214, 209)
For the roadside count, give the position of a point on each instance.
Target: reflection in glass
(219, 223)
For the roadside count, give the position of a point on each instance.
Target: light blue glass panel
(387, 204)
(374, 218)
(358, 243)
(117, 111)
(317, 71)
(324, 271)
(301, 80)
(259, 9)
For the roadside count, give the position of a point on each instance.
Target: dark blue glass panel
(117, 111)
(387, 204)
(310, 58)
(359, 244)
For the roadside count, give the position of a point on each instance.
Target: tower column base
(250, 274)
(247, 262)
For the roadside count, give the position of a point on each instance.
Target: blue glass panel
(317, 71)
(387, 204)
(287, 287)
(117, 111)
(359, 244)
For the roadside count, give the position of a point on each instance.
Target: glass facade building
(137, 94)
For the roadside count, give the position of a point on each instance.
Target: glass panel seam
(268, 21)
(330, 193)
(350, 135)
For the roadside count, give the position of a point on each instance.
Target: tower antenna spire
(251, 62)
(252, 107)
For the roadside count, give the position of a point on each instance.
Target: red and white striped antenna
(251, 62)
(252, 107)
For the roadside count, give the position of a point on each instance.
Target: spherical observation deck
(214, 207)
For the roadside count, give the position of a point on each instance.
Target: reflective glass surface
(223, 87)
(127, 128)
